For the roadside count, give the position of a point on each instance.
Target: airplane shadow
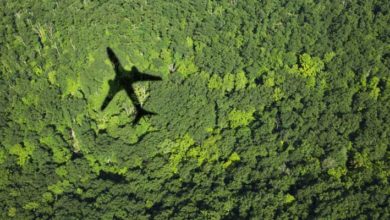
(123, 81)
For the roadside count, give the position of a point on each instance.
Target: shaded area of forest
(266, 110)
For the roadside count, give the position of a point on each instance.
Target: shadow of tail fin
(140, 113)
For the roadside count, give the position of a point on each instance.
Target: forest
(266, 110)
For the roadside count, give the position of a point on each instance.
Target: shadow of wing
(146, 77)
(114, 89)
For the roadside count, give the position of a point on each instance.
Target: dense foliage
(268, 110)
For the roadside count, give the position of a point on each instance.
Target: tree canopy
(267, 110)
